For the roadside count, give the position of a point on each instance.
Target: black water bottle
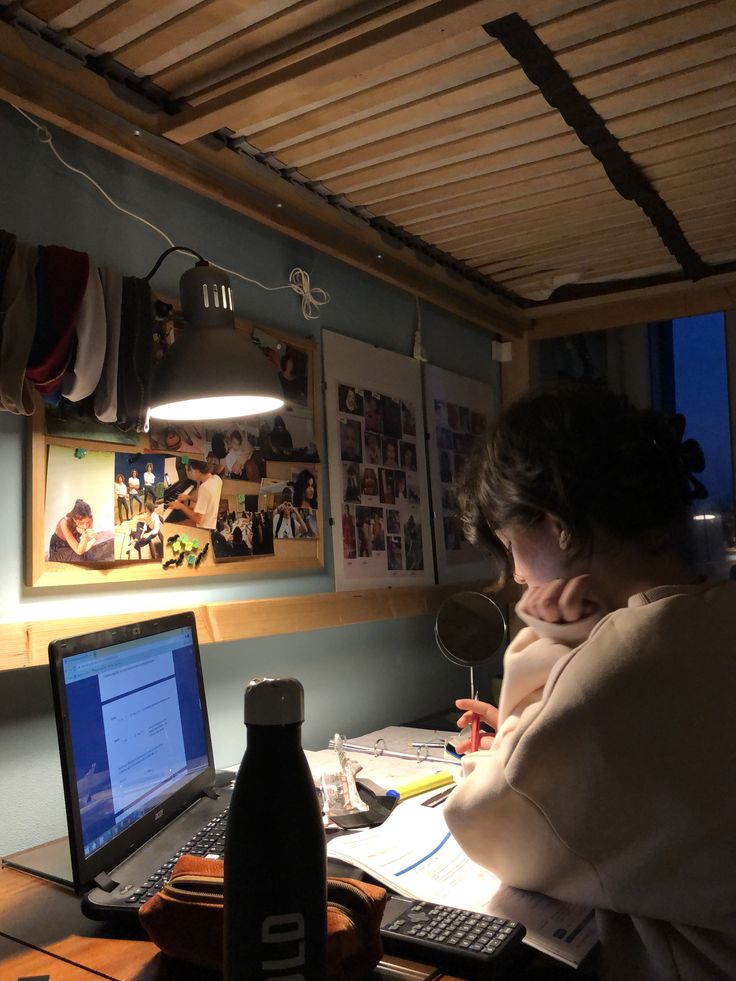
(275, 864)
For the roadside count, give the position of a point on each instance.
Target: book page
(414, 854)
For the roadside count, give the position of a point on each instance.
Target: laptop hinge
(211, 793)
(104, 882)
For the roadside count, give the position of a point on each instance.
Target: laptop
(136, 759)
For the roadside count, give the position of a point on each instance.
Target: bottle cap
(274, 702)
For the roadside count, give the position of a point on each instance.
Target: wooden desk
(41, 915)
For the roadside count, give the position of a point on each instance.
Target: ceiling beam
(636, 306)
(81, 102)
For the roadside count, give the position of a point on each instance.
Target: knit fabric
(17, 325)
(106, 396)
(81, 379)
(614, 785)
(65, 282)
(134, 357)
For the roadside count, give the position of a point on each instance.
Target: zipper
(355, 904)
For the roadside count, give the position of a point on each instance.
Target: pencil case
(185, 919)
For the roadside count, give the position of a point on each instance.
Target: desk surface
(39, 914)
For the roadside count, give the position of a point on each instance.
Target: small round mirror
(470, 629)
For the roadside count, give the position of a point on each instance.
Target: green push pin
(192, 559)
(185, 460)
(195, 543)
(79, 453)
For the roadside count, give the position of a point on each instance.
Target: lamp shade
(213, 370)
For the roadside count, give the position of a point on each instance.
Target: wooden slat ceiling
(410, 112)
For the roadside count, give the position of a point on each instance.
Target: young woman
(121, 496)
(305, 490)
(241, 450)
(74, 534)
(134, 486)
(149, 481)
(369, 483)
(348, 533)
(610, 779)
(151, 535)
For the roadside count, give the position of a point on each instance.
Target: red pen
(475, 731)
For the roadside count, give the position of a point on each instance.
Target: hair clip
(181, 559)
(170, 541)
(169, 563)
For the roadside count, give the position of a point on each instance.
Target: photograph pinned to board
(176, 437)
(233, 450)
(192, 494)
(243, 530)
(139, 487)
(288, 435)
(293, 504)
(292, 364)
(458, 410)
(377, 465)
(79, 511)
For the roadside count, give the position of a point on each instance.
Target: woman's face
(309, 489)
(369, 482)
(149, 467)
(82, 524)
(133, 473)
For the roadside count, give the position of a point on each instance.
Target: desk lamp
(213, 370)
(470, 629)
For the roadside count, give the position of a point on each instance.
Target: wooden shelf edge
(24, 644)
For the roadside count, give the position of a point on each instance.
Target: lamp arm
(175, 248)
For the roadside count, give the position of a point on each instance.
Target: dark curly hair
(588, 457)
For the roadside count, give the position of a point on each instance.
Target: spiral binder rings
(400, 742)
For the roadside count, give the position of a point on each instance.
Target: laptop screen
(134, 732)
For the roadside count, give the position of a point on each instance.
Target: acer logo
(158, 815)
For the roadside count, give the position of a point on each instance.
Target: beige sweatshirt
(612, 781)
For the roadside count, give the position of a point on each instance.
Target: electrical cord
(312, 297)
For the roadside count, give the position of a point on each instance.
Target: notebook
(136, 756)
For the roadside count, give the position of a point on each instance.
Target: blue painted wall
(356, 678)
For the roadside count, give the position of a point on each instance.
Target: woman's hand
(488, 713)
(560, 601)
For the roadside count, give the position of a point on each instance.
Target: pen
(421, 786)
(475, 731)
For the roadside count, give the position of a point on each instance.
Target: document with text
(413, 854)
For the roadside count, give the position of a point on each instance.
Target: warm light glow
(216, 407)
(704, 517)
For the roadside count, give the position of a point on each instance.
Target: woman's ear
(557, 531)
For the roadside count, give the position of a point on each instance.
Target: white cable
(312, 297)
(45, 137)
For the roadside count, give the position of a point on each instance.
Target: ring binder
(379, 748)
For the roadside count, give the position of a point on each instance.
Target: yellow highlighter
(421, 786)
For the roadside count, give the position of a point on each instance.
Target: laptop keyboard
(209, 843)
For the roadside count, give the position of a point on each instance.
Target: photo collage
(381, 526)
(457, 431)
